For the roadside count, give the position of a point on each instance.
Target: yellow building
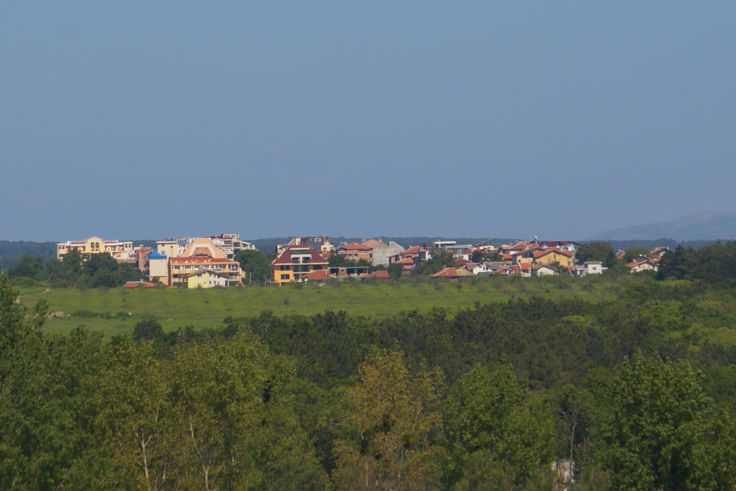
(120, 251)
(205, 278)
(295, 263)
(554, 256)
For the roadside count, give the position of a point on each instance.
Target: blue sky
(560, 119)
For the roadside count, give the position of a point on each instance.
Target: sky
(486, 119)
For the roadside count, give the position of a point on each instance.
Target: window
(284, 276)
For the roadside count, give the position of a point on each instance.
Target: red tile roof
(380, 274)
(285, 257)
(319, 275)
(136, 284)
(354, 246)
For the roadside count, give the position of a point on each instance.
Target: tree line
(487, 398)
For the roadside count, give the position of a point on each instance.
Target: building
(231, 244)
(590, 267)
(382, 251)
(641, 265)
(171, 247)
(158, 267)
(295, 263)
(554, 256)
(181, 268)
(356, 252)
(320, 243)
(120, 251)
(206, 278)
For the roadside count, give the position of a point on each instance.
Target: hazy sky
(562, 119)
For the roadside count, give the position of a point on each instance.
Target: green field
(115, 311)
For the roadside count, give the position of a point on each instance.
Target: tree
(597, 251)
(440, 259)
(657, 432)
(635, 253)
(255, 264)
(495, 435)
(394, 416)
(148, 329)
(29, 267)
(237, 426)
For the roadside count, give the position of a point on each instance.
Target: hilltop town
(220, 260)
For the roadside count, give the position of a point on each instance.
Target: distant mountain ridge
(705, 225)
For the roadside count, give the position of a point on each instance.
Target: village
(211, 261)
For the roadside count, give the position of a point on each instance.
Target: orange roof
(380, 274)
(319, 275)
(136, 284)
(411, 250)
(356, 247)
(452, 273)
(406, 260)
(538, 254)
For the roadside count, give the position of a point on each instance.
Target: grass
(116, 311)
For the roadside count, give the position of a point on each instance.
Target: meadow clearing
(116, 310)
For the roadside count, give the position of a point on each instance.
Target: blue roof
(155, 255)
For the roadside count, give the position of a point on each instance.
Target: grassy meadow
(116, 311)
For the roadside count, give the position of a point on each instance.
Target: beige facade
(120, 251)
(206, 279)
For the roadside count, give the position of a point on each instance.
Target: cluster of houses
(193, 262)
(205, 262)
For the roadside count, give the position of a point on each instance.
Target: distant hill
(706, 225)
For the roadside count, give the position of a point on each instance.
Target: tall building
(120, 251)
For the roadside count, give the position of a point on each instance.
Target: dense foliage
(714, 264)
(486, 398)
(100, 270)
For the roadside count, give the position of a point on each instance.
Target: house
(295, 263)
(543, 270)
(141, 258)
(320, 243)
(452, 273)
(120, 251)
(348, 271)
(181, 268)
(553, 256)
(355, 251)
(641, 265)
(318, 275)
(416, 254)
(203, 246)
(231, 244)
(382, 252)
(590, 267)
(206, 278)
(158, 267)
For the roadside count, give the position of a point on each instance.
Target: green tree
(657, 434)
(496, 435)
(597, 251)
(133, 417)
(148, 329)
(394, 416)
(440, 259)
(29, 267)
(634, 253)
(237, 426)
(256, 265)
